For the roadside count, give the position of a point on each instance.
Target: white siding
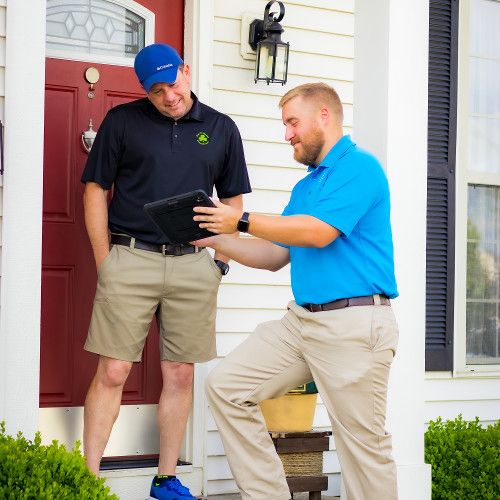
(447, 397)
(321, 39)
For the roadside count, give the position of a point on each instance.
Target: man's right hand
(211, 241)
(99, 256)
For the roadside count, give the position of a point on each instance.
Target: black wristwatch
(223, 266)
(243, 223)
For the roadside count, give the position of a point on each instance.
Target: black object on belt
(353, 301)
(176, 249)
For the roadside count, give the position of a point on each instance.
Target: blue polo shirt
(349, 191)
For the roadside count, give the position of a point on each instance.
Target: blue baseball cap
(156, 63)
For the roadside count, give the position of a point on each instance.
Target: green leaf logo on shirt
(202, 138)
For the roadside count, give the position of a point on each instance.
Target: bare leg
(102, 406)
(173, 411)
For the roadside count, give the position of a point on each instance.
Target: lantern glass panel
(265, 61)
(281, 62)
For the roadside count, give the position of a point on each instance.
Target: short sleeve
(103, 160)
(349, 193)
(287, 210)
(233, 178)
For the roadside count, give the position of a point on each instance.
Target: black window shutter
(441, 145)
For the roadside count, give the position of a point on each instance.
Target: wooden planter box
(289, 413)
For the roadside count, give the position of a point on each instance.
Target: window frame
(465, 177)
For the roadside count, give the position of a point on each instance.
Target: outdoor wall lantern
(271, 64)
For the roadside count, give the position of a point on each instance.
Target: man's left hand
(221, 219)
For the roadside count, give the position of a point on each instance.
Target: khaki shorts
(133, 285)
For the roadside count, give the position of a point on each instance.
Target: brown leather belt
(368, 300)
(176, 249)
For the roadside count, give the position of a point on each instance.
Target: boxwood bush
(30, 470)
(465, 459)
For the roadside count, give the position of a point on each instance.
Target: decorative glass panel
(95, 27)
(483, 275)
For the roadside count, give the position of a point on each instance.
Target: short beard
(312, 145)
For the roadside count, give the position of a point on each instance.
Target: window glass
(484, 144)
(95, 27)
(485, 35)
(483, 269)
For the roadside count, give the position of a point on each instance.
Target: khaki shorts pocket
(105, 263)
(213, 265)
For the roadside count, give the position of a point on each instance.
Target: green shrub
(30, 470)
(465, 459)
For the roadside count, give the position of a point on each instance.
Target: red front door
(68, 269)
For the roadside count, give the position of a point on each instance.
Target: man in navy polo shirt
(163, 145)
(339, 331)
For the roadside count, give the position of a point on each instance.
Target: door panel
(57, 195)
(57, 283)
(68, 269)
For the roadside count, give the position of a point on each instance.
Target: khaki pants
(348, 352)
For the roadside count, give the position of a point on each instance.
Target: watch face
(243, 223)
(242, 226)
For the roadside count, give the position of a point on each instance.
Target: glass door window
(100, 30)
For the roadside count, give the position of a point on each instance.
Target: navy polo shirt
(349, 191)
(147, 156)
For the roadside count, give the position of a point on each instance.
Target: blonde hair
(323, 94)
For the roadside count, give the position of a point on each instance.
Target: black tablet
(174, 216)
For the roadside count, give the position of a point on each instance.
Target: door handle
(88, 137)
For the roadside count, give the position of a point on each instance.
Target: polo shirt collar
(338, 150)
(196, 111)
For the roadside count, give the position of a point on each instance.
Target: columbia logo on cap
(164, 66)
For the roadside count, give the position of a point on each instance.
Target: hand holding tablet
(174, 216)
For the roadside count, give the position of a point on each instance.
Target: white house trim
(22, 216)
(198, 45)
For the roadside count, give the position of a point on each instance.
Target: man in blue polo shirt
(339, 331)
(159, 146)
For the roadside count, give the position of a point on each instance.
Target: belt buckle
(164, 250)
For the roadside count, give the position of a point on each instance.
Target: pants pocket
(385, 331)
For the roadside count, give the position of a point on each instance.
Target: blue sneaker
(169, 489)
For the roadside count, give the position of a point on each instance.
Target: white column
(22, 215)
(198, 45)
(198, 49)
(390, 119)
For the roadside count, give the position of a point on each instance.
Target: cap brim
(168, 75)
